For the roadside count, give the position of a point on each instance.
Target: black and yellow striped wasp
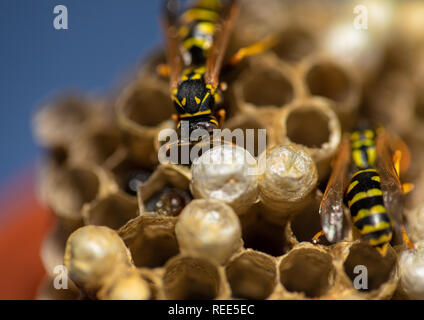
(196, 44)
(374, 193)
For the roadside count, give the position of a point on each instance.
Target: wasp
(365, 178)
(196, 44)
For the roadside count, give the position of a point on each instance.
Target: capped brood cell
(129, 284)
(210, 229)
(92, 255)
(288, 181)
(227, 173)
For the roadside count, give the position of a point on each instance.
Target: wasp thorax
(193, 96)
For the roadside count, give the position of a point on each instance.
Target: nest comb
(182, 238)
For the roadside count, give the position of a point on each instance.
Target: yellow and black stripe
(364, 196)
(363, 148)
(197, 30)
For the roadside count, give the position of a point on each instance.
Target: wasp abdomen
(364, 198)
(198, 29)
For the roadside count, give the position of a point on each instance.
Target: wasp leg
(253, 49)
(163, 70)
(316, 237)
(221, 116)
(406, 239)
(176, 118)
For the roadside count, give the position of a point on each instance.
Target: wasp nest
(129, 227)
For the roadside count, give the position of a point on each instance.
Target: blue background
(106, 39)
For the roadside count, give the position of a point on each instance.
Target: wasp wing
(331, 208)
(172, 40)
(389, 179)
(219, 46)
(397, 143)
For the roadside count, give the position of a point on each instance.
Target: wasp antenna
(406, 239)
(315, 239)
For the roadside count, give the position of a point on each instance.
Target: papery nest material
(209, 229)
(313, 124)
(93, 255)
(288, 182)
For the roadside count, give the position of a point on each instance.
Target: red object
(23, 225)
